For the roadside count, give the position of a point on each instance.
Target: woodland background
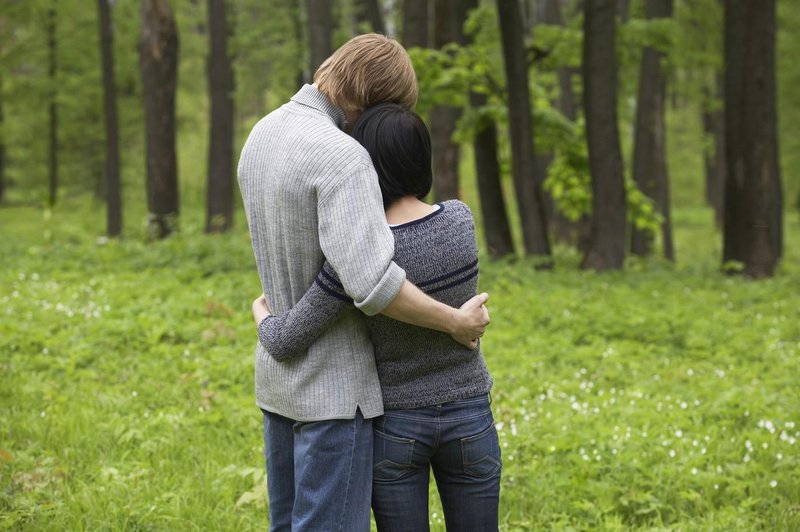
(651, 140)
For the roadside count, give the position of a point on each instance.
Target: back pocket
(391, 456)
(481, 453)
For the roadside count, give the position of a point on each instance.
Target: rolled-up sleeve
(356, 240)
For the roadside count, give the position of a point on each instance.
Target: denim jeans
(458, 441)
(319, 474)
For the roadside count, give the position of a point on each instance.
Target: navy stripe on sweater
(454, 283)
(449, 275)
(332, 292)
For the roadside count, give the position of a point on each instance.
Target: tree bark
(113, 191)
(415, 23)
(220, 149)
(443, 118)
(490, 191)
(369, 11)
(714, 128)
(753, 204)
(527, 182)
(158, 61)
(320, 32)
(607, 237)
(52, 51)
(649, 151)
(623, 8)
(562, 228)
(2, 119)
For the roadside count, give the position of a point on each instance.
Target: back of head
(400, 147)
(367, 70)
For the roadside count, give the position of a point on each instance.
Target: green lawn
(661, 397)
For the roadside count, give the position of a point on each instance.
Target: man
(310, 193)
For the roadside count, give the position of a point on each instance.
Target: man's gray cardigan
(310, 193)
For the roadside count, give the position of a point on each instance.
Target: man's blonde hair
(367, 70)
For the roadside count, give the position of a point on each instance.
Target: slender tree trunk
(158, 61)
(53, 107)
(320, 31)
(303, 76)
(369, 11)
(2, 118)
(220, 150)
(562, 228)
(623, 9)
(113, 192)
(607, 239)
(649, 151)
(753, 203)
(487, 169)
(714, 128)
(527, 182)
(415, 23)
(443, 118)
(2, 146)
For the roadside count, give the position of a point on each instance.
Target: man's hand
(471, 321)
(260, 309)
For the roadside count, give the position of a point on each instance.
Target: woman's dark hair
(400, 147)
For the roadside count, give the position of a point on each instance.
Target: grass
(662, 397)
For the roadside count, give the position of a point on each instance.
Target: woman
(435, 391)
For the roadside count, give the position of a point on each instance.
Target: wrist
(453, 321)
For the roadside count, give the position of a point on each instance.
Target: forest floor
(664, 396)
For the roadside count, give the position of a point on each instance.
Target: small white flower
(694, 471)
(773, 484)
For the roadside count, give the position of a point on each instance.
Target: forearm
(291, 333)
(413, 306)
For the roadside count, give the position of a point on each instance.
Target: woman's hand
(260, 309)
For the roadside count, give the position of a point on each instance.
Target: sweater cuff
(385, 291)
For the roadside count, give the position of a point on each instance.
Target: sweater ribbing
(310, 192)
(416, 366)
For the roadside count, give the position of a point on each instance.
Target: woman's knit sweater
(416, 366)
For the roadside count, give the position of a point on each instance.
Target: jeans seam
(350, 473)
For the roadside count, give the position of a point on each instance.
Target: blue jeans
(458, 442)
(319, 473)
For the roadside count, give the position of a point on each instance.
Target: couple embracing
(368, 369)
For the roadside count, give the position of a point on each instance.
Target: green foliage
(658, 398)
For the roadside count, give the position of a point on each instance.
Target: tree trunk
(415, 23)
(113, 192)
(490, 191)
(649, 151)
(714, 127)
(753, 203)
(320, 32)
(562, 228)
(2, 147)
(369, 11)
(607, 238)
(158, 61)
(527, 182)
(53, 107)
(220, 149)
(443, 118)
(303, 75)
(623, 8)
(2, 119)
